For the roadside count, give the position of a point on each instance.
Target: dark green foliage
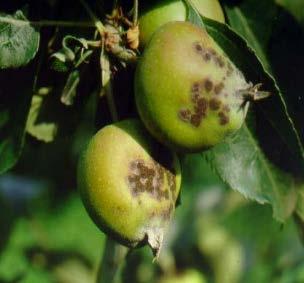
(52, 90)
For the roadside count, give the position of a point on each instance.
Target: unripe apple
(129, 184)
(189, 94)
(161, 12)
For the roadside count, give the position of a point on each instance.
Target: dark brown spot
(208, 84)
(149, 184)
(200, 111)
(224, 119)
(195, 97)
(185, 114)
(212, 52)
(218, 88)
(195, 87)
(132, 178)
(199, 103)
(220, 61)
(198, 47)
(151, 172)
(214, 104)
(144, 171)
(207, 56)
(195, 120)
(148, 178)
(221, 114)
(202, 102)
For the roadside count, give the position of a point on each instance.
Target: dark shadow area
(51, 258)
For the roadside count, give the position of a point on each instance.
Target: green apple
(189, 94)
(161, 12)
(129, 184)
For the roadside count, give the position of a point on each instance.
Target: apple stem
(111, 102)
(253, 93)
(135, 12)
(114, 253)
(111, 262)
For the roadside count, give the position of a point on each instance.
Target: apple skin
(161, 12)
(118, 160)
(187, 91)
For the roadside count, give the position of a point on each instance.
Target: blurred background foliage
(217, 235)
(46, 235)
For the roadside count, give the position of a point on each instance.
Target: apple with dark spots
(129, 184)
(188, 93)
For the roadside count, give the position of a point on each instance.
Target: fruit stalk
(114, 253)
(135, 12)
(110, 101)
(111, 263)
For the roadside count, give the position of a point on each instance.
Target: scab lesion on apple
(151, 178)
(130, 199)
(188, 92)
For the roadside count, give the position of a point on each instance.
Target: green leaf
(242, 165)
(14, 108)
(287, 61)
(295, 7)
(19, 41)
(105, 71)
(37, 253)
(300, 203)
(237, 171)
(299, 215)
(70, 89)
(275, 107)
(242, 53)
(252, 22)
(193, 15)
(254, 25)
(74, 52)
(42, 131)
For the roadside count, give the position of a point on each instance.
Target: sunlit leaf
(42, 131)
(239, 160)
(255, 25)
(242, 165)
(193, 15)
(19, 41)
(70, 89)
